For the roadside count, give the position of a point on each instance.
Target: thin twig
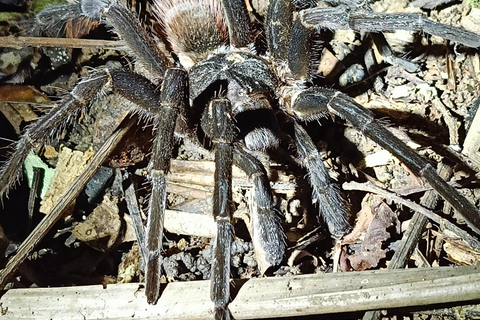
(133, 209)
(37, 175)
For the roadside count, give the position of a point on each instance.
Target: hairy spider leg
(49, 125)
(217, 122)
(311, 103)
(164, 106)
(325, 191)
(238, 22)
(269, 240)
(362, 18)
(278, 22)
(174, 98)
(341, 18)
(283, 32)
(268, 237)
(128, 27)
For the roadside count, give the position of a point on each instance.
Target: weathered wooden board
(256, 298)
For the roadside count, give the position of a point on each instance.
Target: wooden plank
(256, 298)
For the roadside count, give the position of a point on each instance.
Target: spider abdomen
(193, 28)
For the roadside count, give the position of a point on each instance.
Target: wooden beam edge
(255, 298)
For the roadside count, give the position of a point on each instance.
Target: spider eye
(194, 28)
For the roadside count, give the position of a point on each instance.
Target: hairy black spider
(209, 47)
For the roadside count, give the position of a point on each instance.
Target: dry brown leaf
(102, 228)
(79, 27)
(363, 220)
(372, 251)
(22, 93)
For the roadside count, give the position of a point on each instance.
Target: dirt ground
(431, 110)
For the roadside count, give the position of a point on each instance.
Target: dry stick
(413, 234)
(22, 42)
(417, 224)
(443, 223)
(133, 209)
(37, 174)
(49, 220)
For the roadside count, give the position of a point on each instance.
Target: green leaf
(34, 161)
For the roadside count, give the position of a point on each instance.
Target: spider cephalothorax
(209, 50)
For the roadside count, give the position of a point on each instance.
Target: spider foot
(266, 224)
(331, 205)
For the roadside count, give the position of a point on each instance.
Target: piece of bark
(102, 228)
(70, 165)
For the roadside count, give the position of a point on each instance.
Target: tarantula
(209, 49)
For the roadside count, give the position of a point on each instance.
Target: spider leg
(172, 100)
(312, 103)
(144, 94)
(330, 202)
(296, 48)
(124, 22)
(267, 233)
(295, 37)
(217, 122)
(277, 27)
(47, 126)
(238, 22)
(338, 18)
(288, 40)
